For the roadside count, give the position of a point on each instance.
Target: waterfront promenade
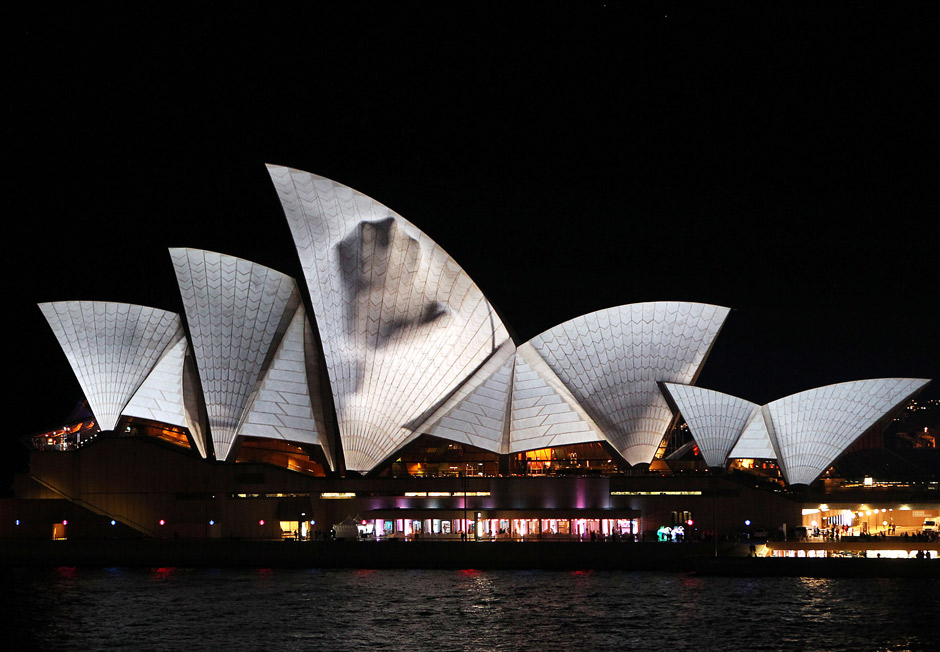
(506, 555)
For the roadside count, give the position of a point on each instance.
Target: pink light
(162, 522)
(261, 522)
(65, 522)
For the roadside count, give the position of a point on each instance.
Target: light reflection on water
(255, 609)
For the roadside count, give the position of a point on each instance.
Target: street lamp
(466, 484)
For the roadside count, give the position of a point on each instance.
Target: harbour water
(70, 608)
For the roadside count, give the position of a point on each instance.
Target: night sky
(570, 157)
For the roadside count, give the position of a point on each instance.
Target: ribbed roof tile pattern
(112, 348)
(754, 442)
(611, 361)
(814, 427)
(163, 396)
(237, 312)
(477, 414)
(401, 324)
(715, 420)
(282, 408)
(544, 413)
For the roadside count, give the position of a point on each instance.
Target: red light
(689, 522)
(363, 522)
(261, 522)
(162, 522)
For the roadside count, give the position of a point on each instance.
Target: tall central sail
(401, 324)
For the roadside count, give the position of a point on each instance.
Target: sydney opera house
(383, 390)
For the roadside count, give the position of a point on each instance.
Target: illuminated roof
(477, 413)
(544, 412)
(401, 324)
(411, 346)
(112, 348)
(514, 403)
(282, 408)
(715, 420)
(755, 442)
(611, 361)
(252, 375)
(813, 428)
(170, 394)
(804, 432)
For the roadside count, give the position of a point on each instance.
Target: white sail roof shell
(282, 407)
(401, 324)
(812, 428)
(755, 442)
(477, 414)
(238, 313)
(716, 420)
(165, 396)
(544, 412)
(611, 361)
(804, 432)
(514, 403)
(112, 348)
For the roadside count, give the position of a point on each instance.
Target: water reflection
(170, 608)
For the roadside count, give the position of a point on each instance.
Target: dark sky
(570, 156)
